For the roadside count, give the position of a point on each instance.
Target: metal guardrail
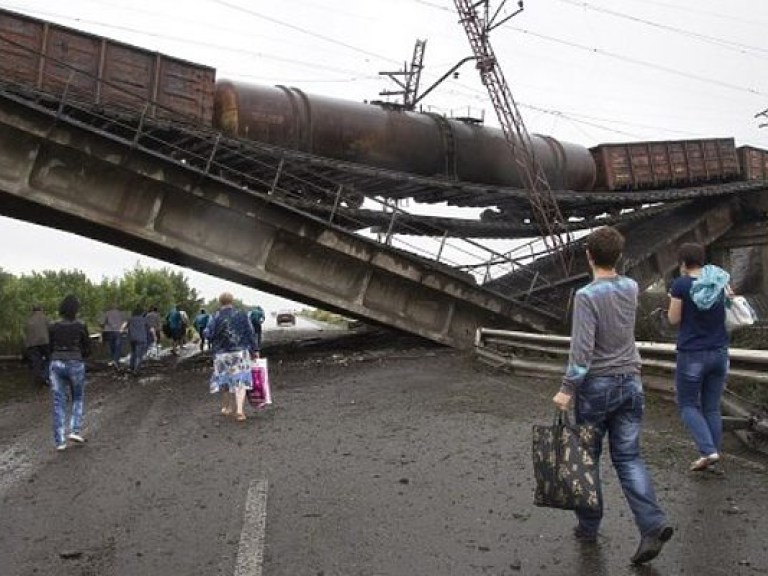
(547, 354)
(748, 364)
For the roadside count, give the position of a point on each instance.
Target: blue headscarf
(708, 288)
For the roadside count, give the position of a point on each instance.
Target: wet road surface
(373, 460)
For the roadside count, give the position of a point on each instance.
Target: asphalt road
(380, 456)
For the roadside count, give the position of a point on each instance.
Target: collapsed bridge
(123, 145)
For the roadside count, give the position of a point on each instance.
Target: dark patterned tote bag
(564, 465)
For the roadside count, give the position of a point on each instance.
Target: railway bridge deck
(223, 206)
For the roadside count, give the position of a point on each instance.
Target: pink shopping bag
(261, 394)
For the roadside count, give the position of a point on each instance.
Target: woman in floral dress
(233, 342)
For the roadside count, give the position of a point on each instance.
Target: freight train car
(754, 163)
(109, 75)
(638, 165)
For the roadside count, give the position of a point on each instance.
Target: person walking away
(233, 342)
(603, 379)
(153, 338)
(36, 344)
(200, 322)
(697, 304)
(137, 327)
(184, 327)
(111, 333)
(175, 328)
(257, 316)
(70, 345)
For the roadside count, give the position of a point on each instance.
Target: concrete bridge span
(57, 171)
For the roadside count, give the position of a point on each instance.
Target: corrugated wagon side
(109, 75)
(638, 165)
(754, 163)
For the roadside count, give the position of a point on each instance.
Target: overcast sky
(583, 71)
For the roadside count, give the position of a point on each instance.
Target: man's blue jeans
(67, 374)
(699, 384)
(615, 405)
(114, 341)
(138, 349)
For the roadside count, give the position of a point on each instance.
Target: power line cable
(559, 114)
(638, 62)
(323, 5)
(482, 96)
(157, 15)
(721, 42)
(433, 5)
(688, 9)
(629, 59)
(261, 78)
(303, 30)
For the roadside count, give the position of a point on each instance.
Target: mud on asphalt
(382, 455)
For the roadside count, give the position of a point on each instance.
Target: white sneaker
(705, 462)
(61, 447)
(76, 438)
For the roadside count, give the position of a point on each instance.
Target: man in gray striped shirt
(603, 376)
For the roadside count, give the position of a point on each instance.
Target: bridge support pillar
(744, 253)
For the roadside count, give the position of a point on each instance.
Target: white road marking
(250, 551)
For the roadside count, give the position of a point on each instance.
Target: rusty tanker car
(46, 58)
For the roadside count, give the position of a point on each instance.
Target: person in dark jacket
(200, 322)
(257, 316)
(36, 346)
(111, 334)
(138, 330)
(70, 345)
(176, 328)
(697, 303)
(155, 326)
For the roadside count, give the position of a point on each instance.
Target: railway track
(318, 184)
(335, 190)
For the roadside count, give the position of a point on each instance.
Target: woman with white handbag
(698, 304)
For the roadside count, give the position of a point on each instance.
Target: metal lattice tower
(549, 219)
(411, 77)
(414, 78)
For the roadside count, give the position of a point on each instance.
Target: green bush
(137, 288)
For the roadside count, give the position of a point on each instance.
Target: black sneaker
(651, 544)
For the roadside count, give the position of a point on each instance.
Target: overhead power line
(688, 9)
(635, 61)
(638, 62)
(721, 42)
(302, 30)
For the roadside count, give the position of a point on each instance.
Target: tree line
(137, 288)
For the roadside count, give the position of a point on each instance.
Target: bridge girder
(57, 172)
